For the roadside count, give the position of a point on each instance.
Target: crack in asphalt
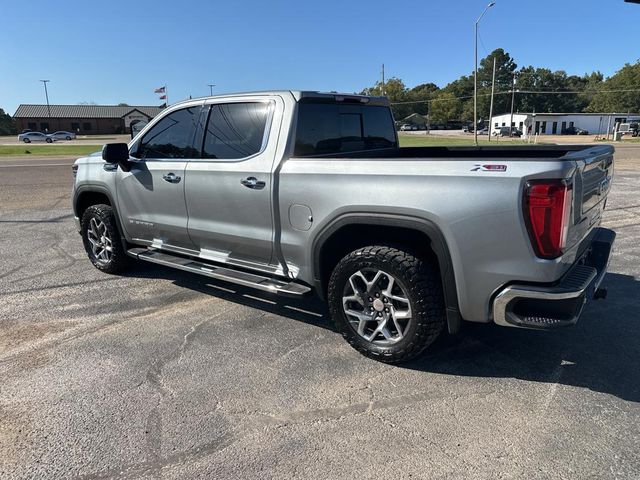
(261, 422)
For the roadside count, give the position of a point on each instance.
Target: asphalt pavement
(163, 374)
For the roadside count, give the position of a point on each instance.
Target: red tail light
(547, 206)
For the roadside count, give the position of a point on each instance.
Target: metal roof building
(83, 119)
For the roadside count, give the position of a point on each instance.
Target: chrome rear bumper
(560, 304)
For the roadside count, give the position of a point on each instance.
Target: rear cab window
(331, 128)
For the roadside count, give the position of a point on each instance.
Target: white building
(557, 123)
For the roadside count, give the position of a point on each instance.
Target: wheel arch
(88, 195)
(354, 230)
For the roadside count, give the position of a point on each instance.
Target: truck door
(151, 194)
(228, 190)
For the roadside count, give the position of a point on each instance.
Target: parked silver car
(35, 137)
(62, 135)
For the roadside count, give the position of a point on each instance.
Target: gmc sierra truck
(300, 192)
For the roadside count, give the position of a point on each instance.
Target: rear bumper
(558, 305)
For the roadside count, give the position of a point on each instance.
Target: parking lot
(160, 373)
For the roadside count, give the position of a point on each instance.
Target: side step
(259, 282)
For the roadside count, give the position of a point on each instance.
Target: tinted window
(172, 137)
(325, 128)
(235, 130)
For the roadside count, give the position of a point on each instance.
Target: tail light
(547, 206)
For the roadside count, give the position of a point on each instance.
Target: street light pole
(513, 98)
(211, 85)
(475, 78)
(46, 94)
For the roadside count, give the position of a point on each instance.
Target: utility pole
(46, 94)
(493, 89)
(211, 85)
(513, 97)
(475, 78)
(383, 79)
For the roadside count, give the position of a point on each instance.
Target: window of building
(172, 136)
(537, 127)
(75, 126)
(563, 128)
(235, 130)
(496, 125)
(32, 126)
(86, 126)
(543, 127)
(504, 124)
(521, 125)
(327, 128)
(554, 128)
(44, 126)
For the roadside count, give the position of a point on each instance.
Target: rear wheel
(102, 240)
(26, 140)
(49, 140)
(387, 303)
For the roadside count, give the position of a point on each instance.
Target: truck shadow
(600, 353)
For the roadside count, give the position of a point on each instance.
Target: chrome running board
(238, 277)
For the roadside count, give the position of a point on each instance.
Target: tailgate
(591, 185)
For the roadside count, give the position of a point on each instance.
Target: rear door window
(235, 130)
(327, 128)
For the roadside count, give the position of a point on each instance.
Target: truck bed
(523, 152)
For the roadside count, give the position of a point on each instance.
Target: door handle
(172, 178)
(253, 182)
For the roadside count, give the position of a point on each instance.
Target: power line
(528, 92)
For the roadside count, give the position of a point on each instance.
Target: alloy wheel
(377, 306)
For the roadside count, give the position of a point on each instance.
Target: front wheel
(387, 303)
(102, 240)
(49, 140)
(26, 140)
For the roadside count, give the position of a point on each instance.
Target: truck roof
(306, 95)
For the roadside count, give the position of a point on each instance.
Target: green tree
(445, 106)
(7, 124)
(396, 92)
(627, 78)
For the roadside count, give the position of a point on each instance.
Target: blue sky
(117, 51)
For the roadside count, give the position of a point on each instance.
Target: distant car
(62, 135)
(576, 131)
(506, 131)
(35, 137)
(405, 127)
(484, 131)
(26, 130)
(467, 129)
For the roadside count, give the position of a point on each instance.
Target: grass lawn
(427, 140)
(41, 150)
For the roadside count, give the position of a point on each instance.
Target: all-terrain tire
(101, 219)
(422, 286)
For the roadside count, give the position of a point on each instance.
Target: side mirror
(115, 153)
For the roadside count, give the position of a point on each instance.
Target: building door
(563, 130)
(537, 127)
(554, 128)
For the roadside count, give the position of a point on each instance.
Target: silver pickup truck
(300, 192)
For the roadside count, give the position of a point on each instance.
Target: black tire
(26, 140)
(48, 140)
(118, 259)
(421, 285)
(68, 137)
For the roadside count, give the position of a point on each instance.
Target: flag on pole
(160, 90)
(162, 97)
